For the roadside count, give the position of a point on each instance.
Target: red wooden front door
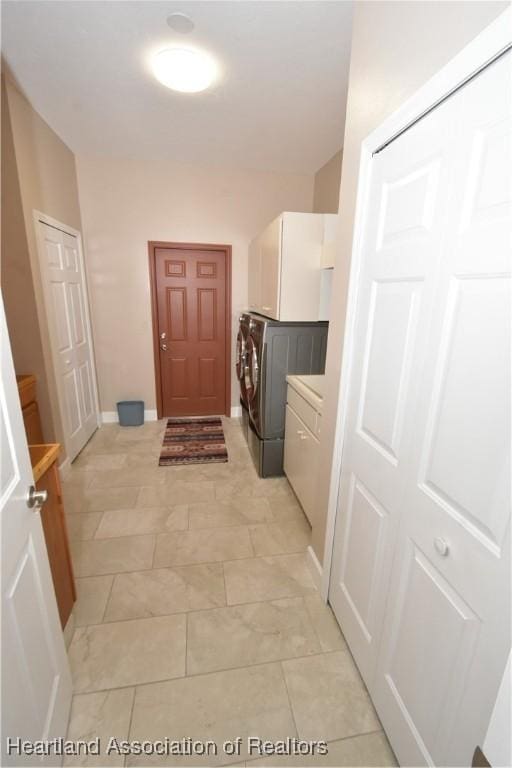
(192, 288)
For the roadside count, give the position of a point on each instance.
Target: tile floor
(197, 615)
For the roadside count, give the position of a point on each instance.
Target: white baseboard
(236, 411)
(111, 417)
(314, 567)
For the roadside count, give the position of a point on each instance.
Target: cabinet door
(301, 460)
(271, 269)
(302, 235)
(32, 422)
(57, 543)
(254, 275)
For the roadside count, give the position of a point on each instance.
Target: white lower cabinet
(301, 446)
(300, 460)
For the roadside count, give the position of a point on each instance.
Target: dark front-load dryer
(241, 356)
(273, 351)
(241, 368)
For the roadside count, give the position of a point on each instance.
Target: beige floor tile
(285, 508)
(369, 750)
(239, 454)
(127, 477)
(130, 522)
(202, 546)
(218, 514)
(281, 538)
(101, 462)
(219, 707)
(217, 471)
(144, 432)
(128, 653)
(249, 634)
(102, 715)
(99, 556)
(221, 471)
(150, 445)
(73, 479)
(247, 484)
(99, 500)
(147, 459)
(325, 624)
(328, 697)
(138, 441)
(92, 596)
(267, 578)
(83, 527)
(166, 590)
(172, 494)
(102, 438)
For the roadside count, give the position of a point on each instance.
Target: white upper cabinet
(254, 272)
(284, 268)
(270, 261)
(330, 238)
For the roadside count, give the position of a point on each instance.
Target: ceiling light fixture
(184, 69)
(180, 22)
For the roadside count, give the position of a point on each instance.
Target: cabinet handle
(303, 437)
(267, 308)
(300, 431)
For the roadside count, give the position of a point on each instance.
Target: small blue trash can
(131, 413)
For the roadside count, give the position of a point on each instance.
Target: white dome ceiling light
(188, 70)
(180, 22)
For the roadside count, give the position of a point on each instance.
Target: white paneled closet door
(404, 224)
(420, 576)
(447, 631)
(66, 305)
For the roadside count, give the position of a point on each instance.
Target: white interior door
(447, 631)
(36, 681)
(66, 305)
(406, 215)
(420, 577)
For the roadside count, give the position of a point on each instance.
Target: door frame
(43, 218)
(489, 45)
(226, 249)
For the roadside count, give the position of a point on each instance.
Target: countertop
(310, 387)
(42, 457)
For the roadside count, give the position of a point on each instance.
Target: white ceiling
(280, 104)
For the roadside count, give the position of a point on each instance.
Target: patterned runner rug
(193, 441)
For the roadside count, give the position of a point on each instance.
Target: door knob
(163, 335)
(163, 347)
(441, 546)
(36, 499)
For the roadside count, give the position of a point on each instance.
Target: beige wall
(396, 47)
(127, 203)
(16, 277)
(41, 176)
(326, 192)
